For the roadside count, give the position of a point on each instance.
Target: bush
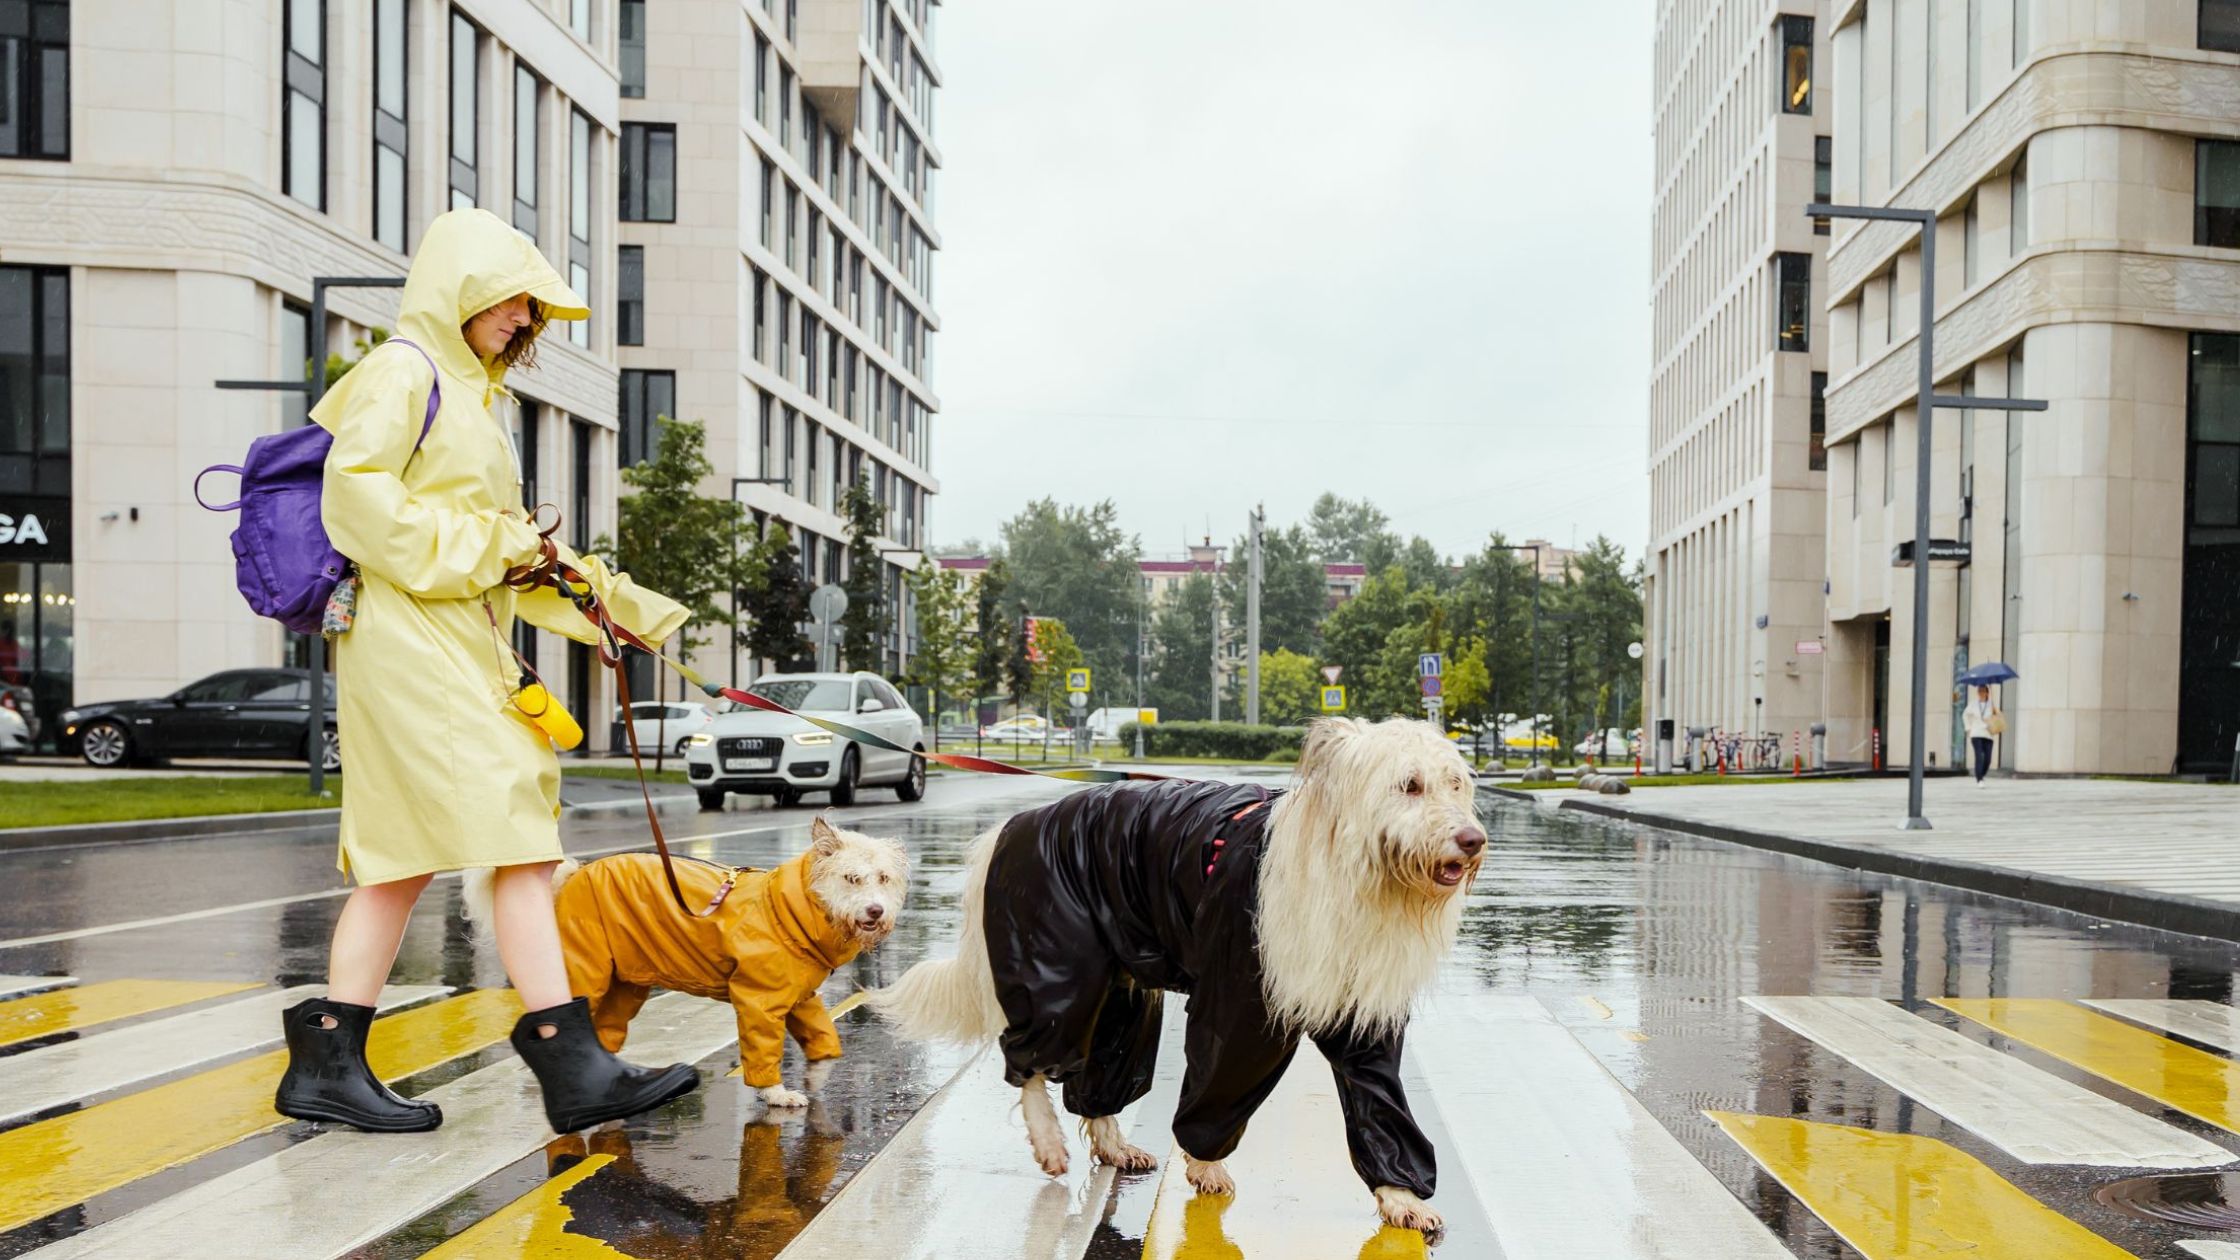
(1216, 739)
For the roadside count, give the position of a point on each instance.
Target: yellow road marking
(65, 1010)
(1297, 1194)
(1600, 1008)
(533, 1225)
(1894, 1196)
(50, 1165)
(2198, 1083)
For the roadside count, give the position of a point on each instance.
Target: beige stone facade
(2062, 144)
(161, 212)
(788, 296)
(1732, 602)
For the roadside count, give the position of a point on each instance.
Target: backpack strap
(435, 390)
(207, 505)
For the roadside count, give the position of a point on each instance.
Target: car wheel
(786, 798)
(107, 745)
(330, 752)
(711, 799)
(682, 744)
(913, 785)
(844, 792)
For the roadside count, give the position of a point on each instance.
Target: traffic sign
(1333, 699)
(828, 603)
(1430, 684)
(1077, 680)
(1633, 650)
(1330, 673)
(1431, 709)
(1079, 700)
(1428, 665)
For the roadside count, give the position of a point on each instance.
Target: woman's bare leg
(366, 939)
(529, 936)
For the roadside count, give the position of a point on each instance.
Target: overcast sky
(1202, 253)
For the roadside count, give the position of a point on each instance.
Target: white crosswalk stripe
(49, 1077)
(2032, 1115)
(10, 986)
(1565, 1160)
(2210, 1023)
(316, 1199)
(2213, 1250)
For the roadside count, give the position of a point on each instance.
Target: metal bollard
(1819, 745)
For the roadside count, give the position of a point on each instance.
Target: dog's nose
(1470, 840)
(875, 911)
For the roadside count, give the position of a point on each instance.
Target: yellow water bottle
(536, 706)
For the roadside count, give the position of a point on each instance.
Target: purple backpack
(282, 560)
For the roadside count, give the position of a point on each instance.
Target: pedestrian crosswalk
(1545, 1150)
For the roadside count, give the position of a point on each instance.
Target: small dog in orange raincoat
(777, 938)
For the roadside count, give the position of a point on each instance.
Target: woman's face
(1983, 693)
(488, 333)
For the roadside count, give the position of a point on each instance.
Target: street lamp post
(1926, 401)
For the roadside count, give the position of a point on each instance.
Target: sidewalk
(2162, 854)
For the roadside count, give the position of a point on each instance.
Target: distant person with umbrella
(1984, 721)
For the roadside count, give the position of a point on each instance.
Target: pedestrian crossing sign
(1333, 699)
(1077, 680)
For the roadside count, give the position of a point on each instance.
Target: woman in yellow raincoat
(445, 772)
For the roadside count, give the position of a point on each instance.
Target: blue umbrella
(1988, 673)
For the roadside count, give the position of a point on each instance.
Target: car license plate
(747, 764)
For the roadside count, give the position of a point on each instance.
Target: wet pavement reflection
(1638, 945)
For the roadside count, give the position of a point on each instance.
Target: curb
(213, 825)
(2169, 912)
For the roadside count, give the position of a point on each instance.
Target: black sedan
(239, 713)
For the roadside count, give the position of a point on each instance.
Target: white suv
(755, 753)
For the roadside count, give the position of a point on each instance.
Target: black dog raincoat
(1099, 902)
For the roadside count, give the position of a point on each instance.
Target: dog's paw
(780, 1096)
(1108, 1145)
(1209, 1177)
(1402, 1208)
(812, 1081)
(1049, 1149)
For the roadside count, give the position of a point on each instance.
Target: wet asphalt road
(1639, 943)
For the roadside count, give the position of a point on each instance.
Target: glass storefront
(37, 600)
(2209, 638)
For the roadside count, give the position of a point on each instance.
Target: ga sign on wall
(34, 528)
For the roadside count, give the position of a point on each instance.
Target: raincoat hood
(468, 262)
(802, 922)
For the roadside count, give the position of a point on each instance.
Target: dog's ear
(823, 838)
(1323, 740)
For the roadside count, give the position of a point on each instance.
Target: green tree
(339, 367)
(1598, 609)
(944, 659)
(1018, 661)
(1077, 565)
(1294, 594)
(1347, 529)
(1492, 605)
(867, 618)
(1425, 566)
(1290, 688)
(991, 638)
(673, 539)
(778, 604)
(1179, 682)
(1357, 637)
(1055, 652)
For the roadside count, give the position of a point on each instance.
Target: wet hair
(521, 347)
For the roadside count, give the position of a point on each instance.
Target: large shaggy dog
(777, 937)
(1319, 912)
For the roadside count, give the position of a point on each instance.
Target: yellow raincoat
(443, 773)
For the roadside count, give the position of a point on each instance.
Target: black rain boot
(583, 1082)
(327, 1077)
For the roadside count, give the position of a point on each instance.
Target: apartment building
(1732, 613)
(2084, 162)
(776, 265)
(172, 178)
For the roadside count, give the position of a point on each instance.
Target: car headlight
(70, 717)
(813, 739)
(701, 740)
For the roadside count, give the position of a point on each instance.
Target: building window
(630, 296)
(1889, 447)
(633, 48)
(579, 506)
(785, 109)
(646, 397)
(35, 79)
(579, 219)
(1975, 54)
(1817, 451)
(466, 111)
(1823, 175)
(2208, 685)
(528, 139)
(2216, 193)
(1971, 243)
(793, 20)
(1793, 301)
(2018, 208)
(784, 359)
(2220, 25)
(793, 228)
(392, 139)
(579, 19)
(761, 80)
(649, 173)
(761, 316)
(810, 485)
(303, 102)
(2021, 47)
(525, 446)
(1796, 65)
(769, 459)
(295, 362)
(769, 204)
